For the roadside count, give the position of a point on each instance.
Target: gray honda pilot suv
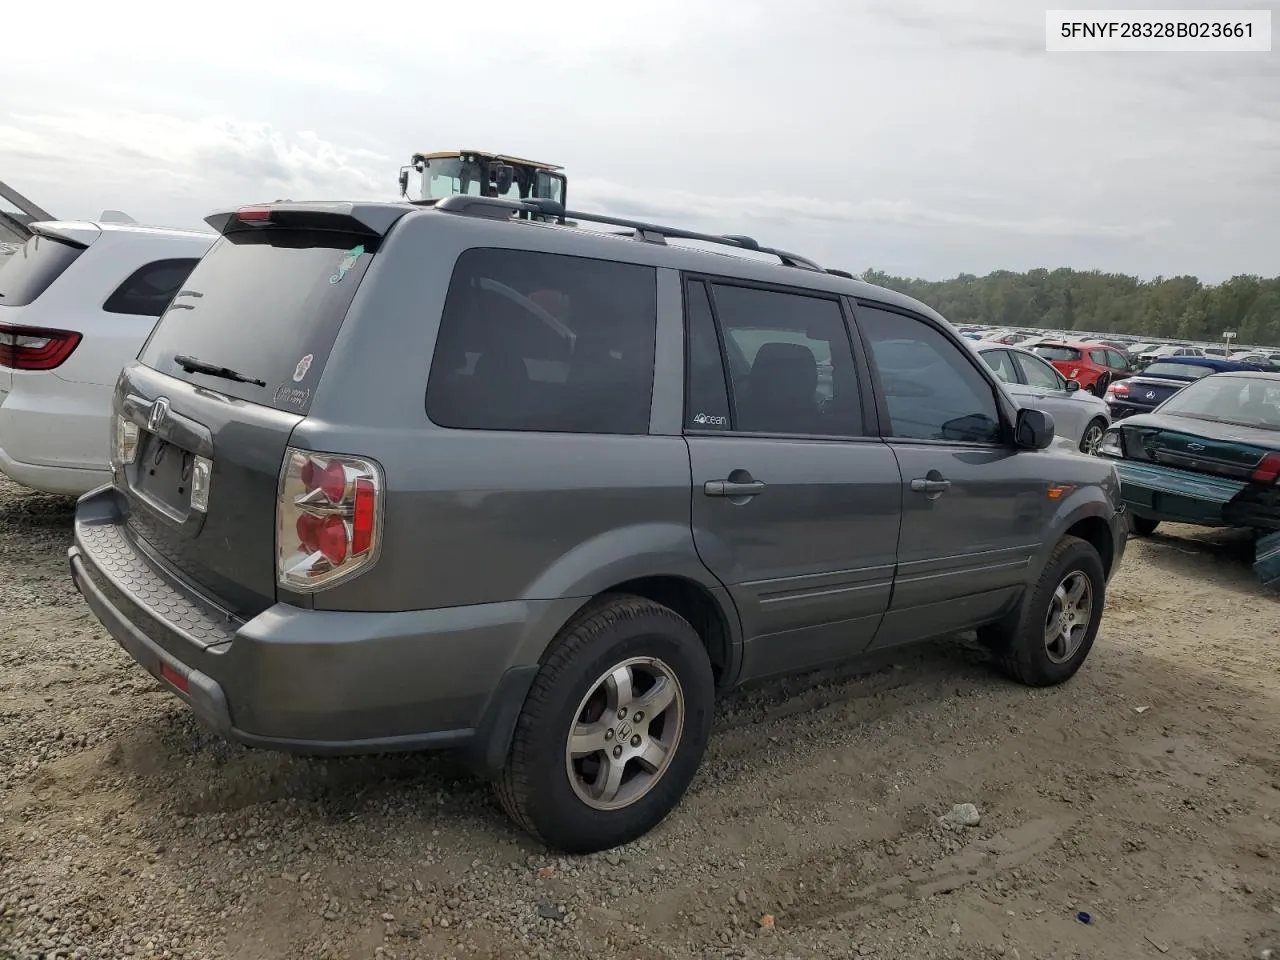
(396, 477)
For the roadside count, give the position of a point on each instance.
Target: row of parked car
(393, 476)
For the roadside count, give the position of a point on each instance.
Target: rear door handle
(733, 488)
(935, 487)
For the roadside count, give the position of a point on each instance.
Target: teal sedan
(1209, 455)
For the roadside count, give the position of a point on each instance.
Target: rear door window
(790, 361)
(30, 271)
(267, 304)
(148, 290)
(545, 342)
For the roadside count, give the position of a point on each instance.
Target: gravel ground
(1146, 793)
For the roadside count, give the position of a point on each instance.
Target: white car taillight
(328, 519)
(124, 442)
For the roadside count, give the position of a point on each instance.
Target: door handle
(733, 488)
(934, 487)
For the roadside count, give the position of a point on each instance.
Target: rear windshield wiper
(194, 365)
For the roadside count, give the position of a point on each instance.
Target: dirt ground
(1145, 793)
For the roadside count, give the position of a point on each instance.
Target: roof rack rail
(500, 209)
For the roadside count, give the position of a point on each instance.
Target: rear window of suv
(267, 304)
(30, 271)
(1053, 352)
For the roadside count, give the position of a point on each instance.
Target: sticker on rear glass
(291, 396)
(301, 369)
(349, 261)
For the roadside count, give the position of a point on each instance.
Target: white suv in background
(77, 300)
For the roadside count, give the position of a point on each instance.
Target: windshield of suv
(268, 304)
(1248, 401)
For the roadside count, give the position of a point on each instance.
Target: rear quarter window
(29, 272)
(544, 342)
(148, 290)
(267, 303)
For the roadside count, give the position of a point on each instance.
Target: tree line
(1172, 307)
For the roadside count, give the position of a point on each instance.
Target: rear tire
(1142, 526)
(616, 777)
(1047, 639)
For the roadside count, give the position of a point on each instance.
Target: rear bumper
(64, 481)
(1159, 492)
(54, 433)
(1121, 410)
(314, 681)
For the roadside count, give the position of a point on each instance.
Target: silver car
(1033, 382)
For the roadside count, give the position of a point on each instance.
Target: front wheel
(1048, 638)
(613, 728)
(1092, 436)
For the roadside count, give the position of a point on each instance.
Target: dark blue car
(1161, 380)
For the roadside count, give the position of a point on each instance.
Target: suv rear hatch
(226, 375)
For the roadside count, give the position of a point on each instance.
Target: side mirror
(1073, 386)
(1033, 429)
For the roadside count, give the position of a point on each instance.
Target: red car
(1092, 365)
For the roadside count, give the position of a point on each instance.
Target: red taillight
(1118, 389)
(333, 540)
(253, 214)
(172, 676)
(1268, 471)
(35, 348)
(363, 516)
(308, 528)
(328, 518)
(333, 481)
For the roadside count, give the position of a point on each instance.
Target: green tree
(1098, 303)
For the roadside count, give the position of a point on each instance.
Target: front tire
(1092, 436)
(1051, 634)
(613, 729)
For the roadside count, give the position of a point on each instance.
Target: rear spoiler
(1158, 381)
(75, 234)
(371, 219)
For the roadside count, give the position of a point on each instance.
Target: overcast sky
(922, 138)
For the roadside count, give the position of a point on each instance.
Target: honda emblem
(159, 411)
